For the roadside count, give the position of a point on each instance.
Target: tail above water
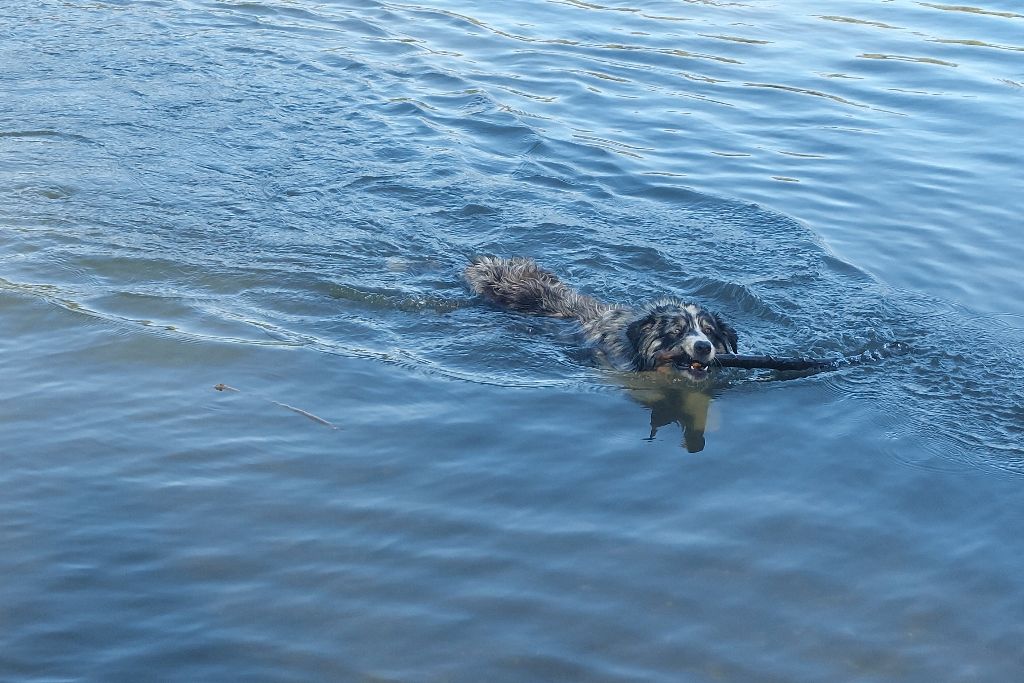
(519, 284)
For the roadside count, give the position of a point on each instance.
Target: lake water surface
(399, 482)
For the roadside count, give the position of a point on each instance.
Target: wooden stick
(753, 362)
(300, 411)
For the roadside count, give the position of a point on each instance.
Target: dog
(667, 335)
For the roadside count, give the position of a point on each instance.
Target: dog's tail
(519, 284)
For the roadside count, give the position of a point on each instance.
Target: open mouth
(684, 365)
(694, 369)
(689, 368)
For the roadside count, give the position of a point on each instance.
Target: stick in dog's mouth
(682, 363)
(695, 369)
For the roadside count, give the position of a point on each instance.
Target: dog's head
(681, 336)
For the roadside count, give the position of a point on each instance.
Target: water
(410, 485)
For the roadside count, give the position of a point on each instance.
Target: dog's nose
(703, 347)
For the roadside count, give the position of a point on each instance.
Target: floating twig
(300, 411)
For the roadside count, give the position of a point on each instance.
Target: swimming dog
(665, 335)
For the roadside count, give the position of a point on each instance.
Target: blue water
(401, 483)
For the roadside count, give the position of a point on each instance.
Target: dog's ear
(636, 332)
(728, 333)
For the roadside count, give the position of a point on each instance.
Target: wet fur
(664, 333)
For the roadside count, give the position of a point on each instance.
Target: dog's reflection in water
(679, 402)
